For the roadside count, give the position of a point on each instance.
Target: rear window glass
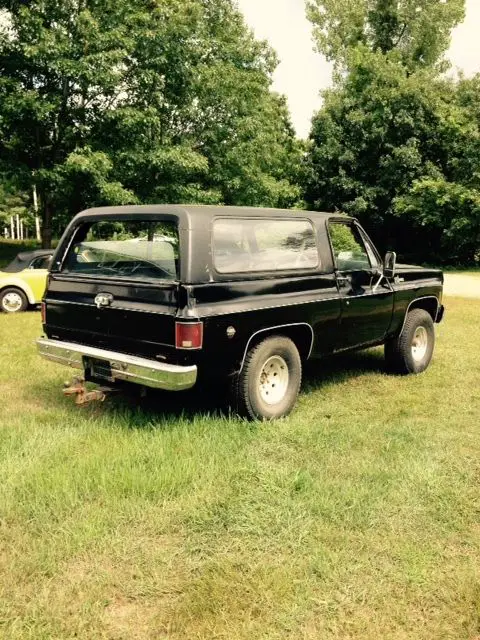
(135, 250)
(246, 245)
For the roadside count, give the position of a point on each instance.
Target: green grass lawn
(357, 517)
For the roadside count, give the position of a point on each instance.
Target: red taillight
(188, 335)
(44, 312)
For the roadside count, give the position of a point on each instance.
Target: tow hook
(83, 396)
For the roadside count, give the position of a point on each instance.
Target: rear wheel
(13, 300)
(268, 385)
(412, 350)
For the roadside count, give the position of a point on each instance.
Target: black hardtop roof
(197, 215)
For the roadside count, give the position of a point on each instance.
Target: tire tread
(398, 349)
(239, 391)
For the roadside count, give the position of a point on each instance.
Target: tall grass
(356, 517)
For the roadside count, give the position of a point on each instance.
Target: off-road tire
(247, 393)
(399, 351)
(23, 303)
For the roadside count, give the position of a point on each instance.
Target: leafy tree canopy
(396, 143)
(418, 30)
(122, 101)
(401, 151)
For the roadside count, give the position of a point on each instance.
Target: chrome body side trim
(413, 302)
(235, 311)
(279, 326)
(292, 304)
(115, 308)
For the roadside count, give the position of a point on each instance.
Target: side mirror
(389, 264)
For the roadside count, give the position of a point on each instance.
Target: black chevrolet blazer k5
(167, 296)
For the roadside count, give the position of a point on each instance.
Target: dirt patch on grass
(125, 620)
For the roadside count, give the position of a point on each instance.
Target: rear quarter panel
(413, 284)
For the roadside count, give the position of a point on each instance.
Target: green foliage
(342, 238)
(418, 30)
(117, 102)
(448, 215)
(375, 134)
(396, 144)
(86, 180)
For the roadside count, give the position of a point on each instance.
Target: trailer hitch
(82, 395)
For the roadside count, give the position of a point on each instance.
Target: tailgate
(115, 286)
(139, 319)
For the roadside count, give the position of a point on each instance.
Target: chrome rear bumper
(121, 366)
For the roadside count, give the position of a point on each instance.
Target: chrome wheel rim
(273, 380)
(12, 302)
(419, 344)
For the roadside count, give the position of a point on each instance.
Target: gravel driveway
(464, 286)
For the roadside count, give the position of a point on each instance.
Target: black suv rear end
(113, 298)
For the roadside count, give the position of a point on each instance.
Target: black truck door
(366, 304)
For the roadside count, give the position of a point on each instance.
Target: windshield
(139, 249)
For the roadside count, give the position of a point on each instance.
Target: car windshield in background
(246, 245)
(135, 249)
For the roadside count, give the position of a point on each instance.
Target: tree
(61, 65)
(447, 215)
(396, 144)
(218, 134)
(445, 209)
(419, 30)
(375, 134)
(140, 101)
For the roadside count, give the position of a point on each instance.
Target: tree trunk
(46, 224)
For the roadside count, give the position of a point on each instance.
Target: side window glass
(251, 245)
(349, 249)
(42, 262)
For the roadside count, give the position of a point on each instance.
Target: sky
(302, 73)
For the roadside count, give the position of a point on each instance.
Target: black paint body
(322, 310)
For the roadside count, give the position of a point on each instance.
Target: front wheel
(13, 300)
(412, 350)
(268, 385)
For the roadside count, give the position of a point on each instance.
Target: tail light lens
(44, 312)
(188, 335)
